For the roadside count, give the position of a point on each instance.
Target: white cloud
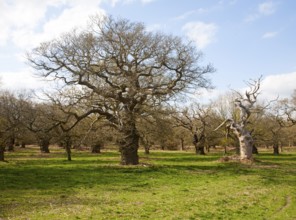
(201, 33)
(26, 24)
(19, 14)
(70, 18)
(266, 8)
(263, 9)
(23, 79)
(281, 85)
(269, 35)
(273, 86)
(74, 17)
(208, 95)
(185, 15)
(189, 13)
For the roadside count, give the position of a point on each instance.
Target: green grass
(167, 185)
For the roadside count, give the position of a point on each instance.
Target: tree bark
(237, 149)
(199, 144)
(182, 144)
(129, 156)
(68, 151)
(255, 149)
(246, 146)
(147, 149)
(96, 148)
(129, 145)
(245, 141)
(68, 145)
(2, 149)
(11, 144)
(23, 144)
(200, 150)
(276, 149)
(44, 146)
(225, 149)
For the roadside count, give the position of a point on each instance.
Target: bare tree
(10, 118)
(43, 120)
(286, 111)
(11, 114)
(119, 70)
(245, 105)
(285, 116)
(156, 128)
(94, 133)
(194, 120)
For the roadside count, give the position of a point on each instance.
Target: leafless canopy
(245, 103)
(193, 118)
(118, 64)
(286, 111)
(118, 70)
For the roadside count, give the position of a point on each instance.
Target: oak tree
(120, 70)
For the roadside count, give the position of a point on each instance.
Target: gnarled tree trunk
(199, 144)
(246, 147)
(129, 156)
(129, 145)
(245, 105)
(245, 141)
(199, 150)
(244, 137)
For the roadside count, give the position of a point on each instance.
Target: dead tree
(245, 105)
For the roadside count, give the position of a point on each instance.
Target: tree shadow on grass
(274, 158)
(57, 174)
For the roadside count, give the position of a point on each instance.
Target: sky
(243, 39)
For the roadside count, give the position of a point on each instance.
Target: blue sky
(243, 39)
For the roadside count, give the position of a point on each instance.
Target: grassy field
(167, 185)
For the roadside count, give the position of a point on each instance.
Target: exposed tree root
(236, 158)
